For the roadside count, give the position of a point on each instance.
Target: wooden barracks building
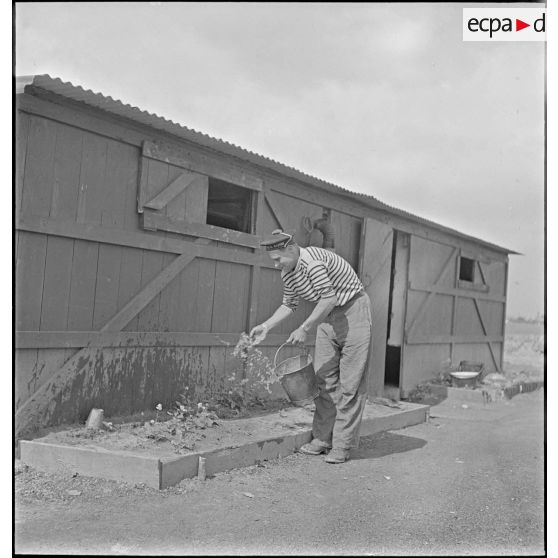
(137, 262)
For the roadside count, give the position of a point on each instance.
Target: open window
(186, 193)
(466, 269)
(229, 206)
(471, 275)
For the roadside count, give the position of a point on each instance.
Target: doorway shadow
(385, 443)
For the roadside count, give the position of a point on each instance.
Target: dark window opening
(229, 206)
(466, 269)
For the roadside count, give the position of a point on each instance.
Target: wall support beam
(144, 241)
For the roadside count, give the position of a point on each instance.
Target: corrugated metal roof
(29, 84)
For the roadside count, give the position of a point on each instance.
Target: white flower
(159, 407)
(151, 421)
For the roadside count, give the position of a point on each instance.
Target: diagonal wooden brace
(175, 188)
(44, 394)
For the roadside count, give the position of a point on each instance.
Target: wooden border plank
(115, 465)
(167, 471)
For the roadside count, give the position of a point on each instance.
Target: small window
(466, 269)
(229, 206)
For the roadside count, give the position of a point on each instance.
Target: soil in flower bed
(173, 436)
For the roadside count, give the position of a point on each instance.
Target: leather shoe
(337, 455)
(315, 447)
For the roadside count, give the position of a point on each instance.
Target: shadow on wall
(386, 443)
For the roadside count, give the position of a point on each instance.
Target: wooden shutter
(173, 192)
(375, 269)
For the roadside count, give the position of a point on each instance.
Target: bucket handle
(277, 352)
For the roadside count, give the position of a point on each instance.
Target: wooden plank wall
(73, 182)
(447, 323)
(83, 256)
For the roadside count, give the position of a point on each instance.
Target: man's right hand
(258, 332)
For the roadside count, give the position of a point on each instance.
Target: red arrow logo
(519, 25)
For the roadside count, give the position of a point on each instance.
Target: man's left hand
(297, 337)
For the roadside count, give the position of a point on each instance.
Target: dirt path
(469, 484)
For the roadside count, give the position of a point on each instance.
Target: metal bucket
(297, 377)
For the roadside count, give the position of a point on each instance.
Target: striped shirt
(319, 273)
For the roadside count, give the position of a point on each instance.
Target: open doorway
(396, 314)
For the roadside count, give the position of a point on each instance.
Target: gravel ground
(467, 484)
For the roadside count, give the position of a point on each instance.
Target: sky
(381, 98)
